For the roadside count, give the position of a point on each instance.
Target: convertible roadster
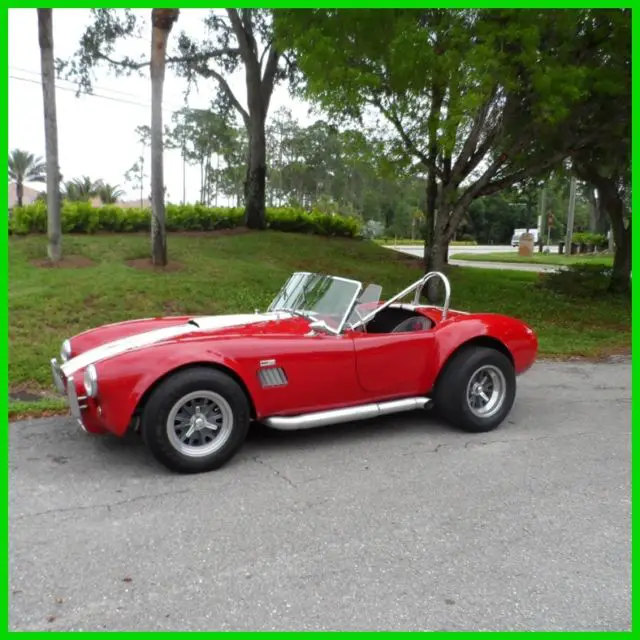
(327, 350)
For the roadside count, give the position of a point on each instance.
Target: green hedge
(586, 237)
(81, 217)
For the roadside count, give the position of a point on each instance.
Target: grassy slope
(231, 273)
(536, 258)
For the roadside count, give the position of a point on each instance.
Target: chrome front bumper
(76, 403)
(58, 377)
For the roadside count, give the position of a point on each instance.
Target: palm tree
(82, 189)
(109, 194)
(162, 21)
(25, 167)
(47, 70)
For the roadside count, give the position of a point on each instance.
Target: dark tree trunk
(255, 184)
(611, 203)
(436, 260)
(430, 217)
(620, 278)
(19, 192)
(432, 247)
(436, 253)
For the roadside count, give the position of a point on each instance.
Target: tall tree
(25, 167)
(464, 92)
(47, 68)
(162, 21)
(606, 164)
(237, 38)
(243, 38)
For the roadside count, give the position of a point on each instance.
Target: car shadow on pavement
(131, 451)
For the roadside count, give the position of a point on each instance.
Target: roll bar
(447, 290)
(418, 286)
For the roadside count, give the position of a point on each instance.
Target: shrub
(596, 240)
(578, 281)
(81, 217)
(372, 229)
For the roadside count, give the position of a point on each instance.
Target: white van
(515, 239)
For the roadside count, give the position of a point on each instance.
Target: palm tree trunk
(19, 192)
(54, 224)
(162, 21)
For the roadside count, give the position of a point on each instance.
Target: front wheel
(476, 390)
(196, 420)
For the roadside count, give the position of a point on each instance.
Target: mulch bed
(67, 262)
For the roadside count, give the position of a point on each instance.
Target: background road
(400, 523)
(418, 251)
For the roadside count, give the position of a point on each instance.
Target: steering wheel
(414, 323)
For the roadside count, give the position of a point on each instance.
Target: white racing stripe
(148, 338)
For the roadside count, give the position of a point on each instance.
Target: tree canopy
(477, 100)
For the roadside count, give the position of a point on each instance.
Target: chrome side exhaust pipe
(348, 414)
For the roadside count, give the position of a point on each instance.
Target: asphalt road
(400, 523)
(418, 251)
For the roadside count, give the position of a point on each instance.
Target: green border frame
(4, 244)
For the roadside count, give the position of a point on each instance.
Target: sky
(96, 133)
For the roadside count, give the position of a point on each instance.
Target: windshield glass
(322, 297)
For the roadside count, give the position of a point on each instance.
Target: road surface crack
(485, 443)
(276, 472)
(108, 506)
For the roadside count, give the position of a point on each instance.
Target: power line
(33, 72)
(104, 97)
(84, 93)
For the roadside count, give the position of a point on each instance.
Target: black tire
(166, 396)
(450, 393)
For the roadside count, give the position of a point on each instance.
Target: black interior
(388, 319)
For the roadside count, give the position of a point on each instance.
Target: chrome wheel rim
(486, 391)
(200, 424)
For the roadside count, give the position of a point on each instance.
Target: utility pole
(571, 213)
(542, 218)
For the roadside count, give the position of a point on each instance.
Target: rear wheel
(476, 390)
(196, 420)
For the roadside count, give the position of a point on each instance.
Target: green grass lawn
(536, 258)
(232, 273)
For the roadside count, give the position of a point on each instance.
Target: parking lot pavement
(401, 523)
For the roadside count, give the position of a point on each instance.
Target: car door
(320, 372)
(393, 364)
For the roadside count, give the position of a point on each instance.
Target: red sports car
(326, 351)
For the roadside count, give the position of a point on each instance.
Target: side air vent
(272, 377)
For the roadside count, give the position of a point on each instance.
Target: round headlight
(91, 381)
(65, 351)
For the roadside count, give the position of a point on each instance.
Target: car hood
(131, 336)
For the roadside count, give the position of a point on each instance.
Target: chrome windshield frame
(358, 290)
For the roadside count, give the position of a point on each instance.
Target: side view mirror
(320, 326)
